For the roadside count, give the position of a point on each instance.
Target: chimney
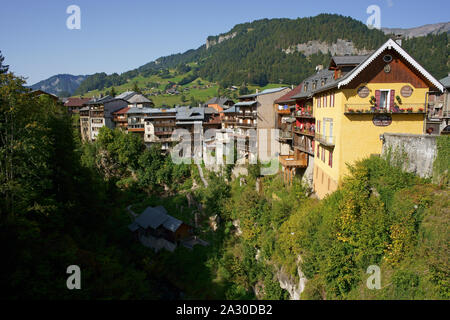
(292, 87)
(319, 67)
(398, 39)
(257, 90)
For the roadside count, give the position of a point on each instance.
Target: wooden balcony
(245, 124)
(305, 132)
(284, 112)
(291, 161)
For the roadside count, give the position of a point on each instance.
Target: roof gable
(288, 96)
(390, 44)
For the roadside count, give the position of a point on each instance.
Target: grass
(170, 100)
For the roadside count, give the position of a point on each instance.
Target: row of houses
(333, 118)
(339, 114)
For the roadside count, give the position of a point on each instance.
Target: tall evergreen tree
(3, 68)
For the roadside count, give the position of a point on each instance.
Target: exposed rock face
(210, 43)
(287, 282)
(436, 28)
(339, 48)
(237, 225)
(213, 222)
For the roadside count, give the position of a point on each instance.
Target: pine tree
(113, 92)
(3, 68)
(136, 88)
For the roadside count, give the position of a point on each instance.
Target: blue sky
(117, 36)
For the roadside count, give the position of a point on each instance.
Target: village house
(285, 111)
(254, 121)
(98, 113)
(159, 127)
(219, 104)
(229, 118)
(74, 105)
(438, 108)
(157, 229)
(387, 92)
(39, 93)
(120, 118)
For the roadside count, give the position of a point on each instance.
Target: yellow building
(386, 91)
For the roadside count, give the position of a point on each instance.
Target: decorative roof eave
(389, 45)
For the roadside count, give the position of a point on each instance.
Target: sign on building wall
(363, 92)
(406, 91)
(382, 120)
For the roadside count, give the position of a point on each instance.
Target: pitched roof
(233, 109)
(288, 96)
(218, 100)
(245, 103)
(266, 91)
(172, 223)
(190, 113)
(126, 95)
(209, 110)
(326, 75)
(347, 60)
(122, 111)
(102, 100)
(446, 81)
(76, 102)
(390, 44)
(133, 110)
(138, 98)
(154, 217)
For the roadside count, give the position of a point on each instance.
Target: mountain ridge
(216, 60)
(61, 84)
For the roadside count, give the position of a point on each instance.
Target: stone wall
(418, 150)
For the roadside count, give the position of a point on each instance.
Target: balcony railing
(367, 108)
(230, 121)
(285, 135)
(304, 114)
(325, 140)
(245, 124)
(308, 132)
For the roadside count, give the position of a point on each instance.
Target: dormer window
(306, 87)
(314, 85)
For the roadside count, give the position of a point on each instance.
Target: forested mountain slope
(279, 51)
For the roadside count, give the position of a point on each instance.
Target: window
(325, 101)
(318, 101)
(323, 155)
(330, 159)
(318, 151)
(332, 100)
